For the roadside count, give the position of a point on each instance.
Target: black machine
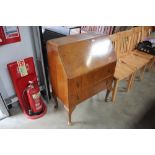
(147, 47)
(52, 32)
(46, 35)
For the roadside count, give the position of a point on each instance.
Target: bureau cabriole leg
(107, 95)
(109, 88)
(69, 118)
(115, 90)
(69, 110)
(55, 100)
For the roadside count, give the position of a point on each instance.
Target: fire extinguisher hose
(24, 100)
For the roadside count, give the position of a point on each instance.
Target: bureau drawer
(90, 79)
(78, 94)
(98, 75)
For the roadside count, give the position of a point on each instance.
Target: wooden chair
(122, 71)
(126, 54)
(129, 60)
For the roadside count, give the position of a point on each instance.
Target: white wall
(13, 52)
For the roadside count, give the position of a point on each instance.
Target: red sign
(9, 34)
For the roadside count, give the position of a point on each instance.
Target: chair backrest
(136, 37)
(115, 40)
(124, 41)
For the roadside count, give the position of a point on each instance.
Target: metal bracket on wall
(3, 108)
(39, 58)
(14, 99)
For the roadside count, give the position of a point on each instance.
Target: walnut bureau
(80, 66)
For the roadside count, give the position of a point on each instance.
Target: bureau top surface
(73, 38)
(82, 56)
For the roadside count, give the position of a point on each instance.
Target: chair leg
(129, 83)
(151, 64)
(132, 81)
(142, 73)
(115, 90)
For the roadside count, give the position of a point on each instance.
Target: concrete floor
(135, 109)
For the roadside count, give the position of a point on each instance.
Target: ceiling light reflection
(99, 49)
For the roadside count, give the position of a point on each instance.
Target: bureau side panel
(57, 74)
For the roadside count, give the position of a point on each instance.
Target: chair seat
(135, 61)
(122, 71)
(142, 54)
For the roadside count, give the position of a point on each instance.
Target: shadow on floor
(147, 120)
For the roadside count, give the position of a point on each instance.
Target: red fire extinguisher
(32, 92)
